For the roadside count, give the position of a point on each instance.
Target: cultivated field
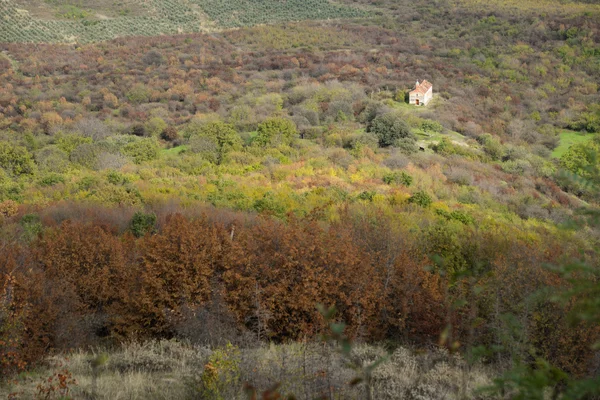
(84, 21)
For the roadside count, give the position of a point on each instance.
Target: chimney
(417, 85)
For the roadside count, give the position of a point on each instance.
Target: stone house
(421, 94)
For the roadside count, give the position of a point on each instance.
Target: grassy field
(568, 139)
(173, 370)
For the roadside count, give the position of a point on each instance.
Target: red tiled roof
(422, 87)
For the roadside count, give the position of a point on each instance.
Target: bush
(491, 146)
(407, 145)
(69, 142)
(138, 94)
(142, 223)
(92, 128)
(32, 226)
(52, 159)
(138, 130)
(388, 128)
(169, 134)
(51, 180)
(421, 198)
(456, 215)
(8, 208)
(275, 131)
(221, 374)
(142, 150)
(582, 159)
(153, 57)
(205, 147)
(15, 160)
(214, 140)
(86, 155)
(395, 161)
(399, 178)
(116, 178)
(367, 195)
(155, 126)
(431, 126)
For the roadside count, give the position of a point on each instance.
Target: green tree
(582, 159)
(273, 129)
(219, 137)
(388, 128)
(155, 126)
(15, 160)
(142, 150)
(69, 142)
(142, 223)
(420, 198)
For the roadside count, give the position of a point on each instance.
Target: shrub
(280, 130)
(153, 57)
(582, 159)
(388, 128)
(142, 150)
(138, 130)
(138, 94)
(215, 140)
(106, 160)
(398, 177)
(446, 147)
(169, 134)
(69, 142)
(370, 111)
(92, 128)
(116, 178)
(8, 208)
(456, 215)
(221, 374)
(407, 145)
(52, 159)
(395, 161)
(269, 205)
(421, 198)
(86, 155)
(51, 179)
(367, 195)
(32, 226)
(431, 126)
(142, 223)
(155, 126)
(15, 160)
(491, 146)
(205, 147)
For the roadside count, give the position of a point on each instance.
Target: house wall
(423, 99)
(429, 95)
(414, 96)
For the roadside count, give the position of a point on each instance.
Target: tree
(16, 160)
(153, 57)
(582, 159)
(388, 128)
(275, 129)
(219, 137)
(142, 223)
(142, 150)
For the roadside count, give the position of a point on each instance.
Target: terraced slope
(22, 21)
(238, 13)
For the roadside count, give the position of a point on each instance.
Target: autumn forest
(251, 206)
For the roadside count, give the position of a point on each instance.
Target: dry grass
(173, 370)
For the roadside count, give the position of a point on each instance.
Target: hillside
(48, 21)
(183, 175)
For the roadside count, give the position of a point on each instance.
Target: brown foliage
(85, 283)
